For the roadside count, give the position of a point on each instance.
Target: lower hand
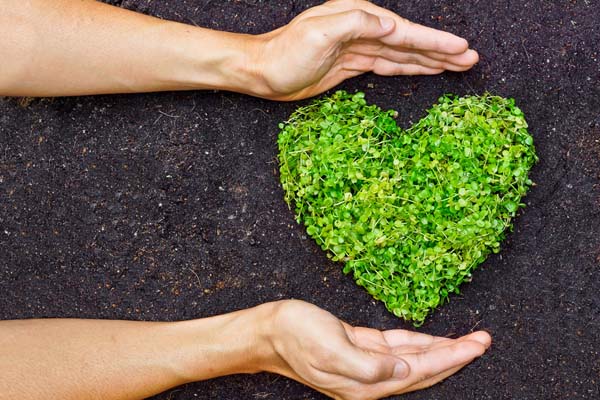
(341, 39)
(313, 347)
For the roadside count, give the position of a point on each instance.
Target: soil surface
(167, 206)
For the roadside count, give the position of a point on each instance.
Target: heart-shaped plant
(411, 212)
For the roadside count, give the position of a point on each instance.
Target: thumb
(369, 366)
(355, 24)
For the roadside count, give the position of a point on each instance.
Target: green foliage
(410, 212)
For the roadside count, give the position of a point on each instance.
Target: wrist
(242, 70)
(233, 343)
(206, 59)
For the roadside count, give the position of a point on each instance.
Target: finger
(367, 338)
(406, 57)
(386, 341)
(431, 366)
(389, 68)
(381, 66)
(366, 366)
(415, 36)
(406, 34)
(356, 62)
(399, 337)
(400, 341)
(480, 336)
(428, 364)
(414, 348)
(469, 57)
(349, 25)
(389, 388)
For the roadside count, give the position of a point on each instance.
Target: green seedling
(411, 212)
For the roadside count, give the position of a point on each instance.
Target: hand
(341, 39)
(345, 362)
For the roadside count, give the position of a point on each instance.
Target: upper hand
(341, 39)
(345, 362)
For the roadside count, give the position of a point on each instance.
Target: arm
(93, 359)
(79, 47)
(101, 359)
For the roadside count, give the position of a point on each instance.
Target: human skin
(81, 47)
(94, 359)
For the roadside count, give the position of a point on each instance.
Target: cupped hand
(345, 362)
(341, 39)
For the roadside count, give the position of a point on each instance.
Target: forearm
(75, 47)
(95, 359)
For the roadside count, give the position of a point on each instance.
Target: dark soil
(167, 206)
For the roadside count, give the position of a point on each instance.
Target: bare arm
(72, 47)
(76, 47)
(99, 359)
(95, 359)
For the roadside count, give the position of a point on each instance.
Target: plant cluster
(410, 212)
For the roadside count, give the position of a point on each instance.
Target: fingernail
(386, 23)
(401, 369)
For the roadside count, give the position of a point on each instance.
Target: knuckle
(438, 64)
(358, 18)
(422, 359)
(285, 312)
(372, 372)
(346, 61)
(405, 29)
(412, 59)
(311, 33)
(358, 63)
